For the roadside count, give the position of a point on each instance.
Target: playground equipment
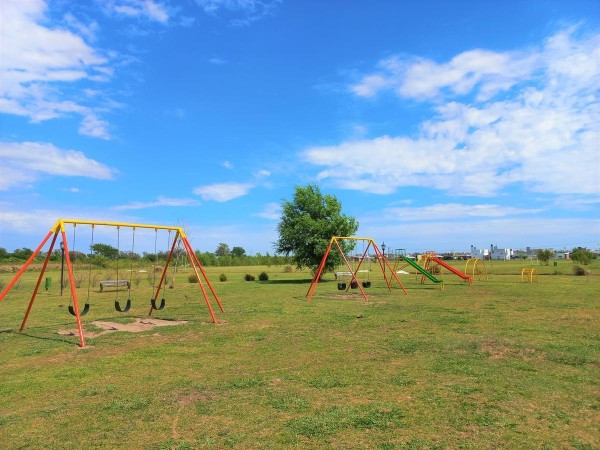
(431, 258)
(529, 275)
(403, 261)
(477, 267)
(353, 271)
(59, 228)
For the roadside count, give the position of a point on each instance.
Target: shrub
(579, 271)
(222, 277)
(288, 269)
(192, 278)
(249, 277)
(263, 276)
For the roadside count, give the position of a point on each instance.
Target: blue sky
(437, 124)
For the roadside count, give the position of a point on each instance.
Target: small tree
(582, 256)
(105, 250)
(308, 223)
(544, 256)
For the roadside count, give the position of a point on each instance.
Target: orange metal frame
(59, 228)
(380, 258)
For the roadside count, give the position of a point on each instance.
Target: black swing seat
(127, 306)
(341, 286)
(354, 284)
(366, 284)
(158, 308)
(83, 312)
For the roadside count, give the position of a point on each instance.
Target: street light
(62, 266)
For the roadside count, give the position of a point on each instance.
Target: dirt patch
(134, 327)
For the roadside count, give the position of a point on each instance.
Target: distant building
(481, 253)
(502, 254)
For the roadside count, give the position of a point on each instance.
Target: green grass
(500, 364)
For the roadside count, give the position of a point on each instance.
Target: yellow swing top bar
(60, 225)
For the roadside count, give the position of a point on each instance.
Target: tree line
(102, 254)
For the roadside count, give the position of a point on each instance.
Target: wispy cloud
(147, 9)
(245, 11)
(451, 211)
(160, 201)
(271, 211)
(542, 133)
(24, 162)
(38, 63)
(223, 192)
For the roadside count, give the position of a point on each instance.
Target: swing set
(74, 309)
(353, 271)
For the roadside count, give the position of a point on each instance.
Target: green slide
(423, 271)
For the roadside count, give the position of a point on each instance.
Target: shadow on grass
(305, 281)
(56, 338)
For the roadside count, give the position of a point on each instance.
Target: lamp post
(62, 266)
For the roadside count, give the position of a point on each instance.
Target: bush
(288, 269)
(192, 278)
(579, 271)
(263, 276)
(249, 277)
(222, 277)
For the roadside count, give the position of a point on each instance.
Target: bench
(347, 274)
(114, 283)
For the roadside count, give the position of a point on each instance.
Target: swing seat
(83, 312)
(341, 286)
(354, 284)
(158, 308)
(123, 310)
(366, 284)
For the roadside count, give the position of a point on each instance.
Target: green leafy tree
(544, 256)
(106, 250)
(22, 253)
(222, 250)
(582, 256)
(238, 252)
(308, 223)
(3, 253)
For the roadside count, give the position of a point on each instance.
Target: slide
(452, 269)
(420, 269)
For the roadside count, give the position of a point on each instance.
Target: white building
(493, 252)
(481, 253)
(503, 254)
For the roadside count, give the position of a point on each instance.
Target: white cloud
(22, 163)
(147, 9)
(249, 11)
(450, 211)
(38, 63)
(223, 192)
(544, 135)
(227, 165)
(160, 201)
(271, 211)
(263, 173)
(513, 232)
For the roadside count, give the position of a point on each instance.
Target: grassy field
(500, 364)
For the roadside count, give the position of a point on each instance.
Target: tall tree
(308, 223)
(238, 252)
(222, 250)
